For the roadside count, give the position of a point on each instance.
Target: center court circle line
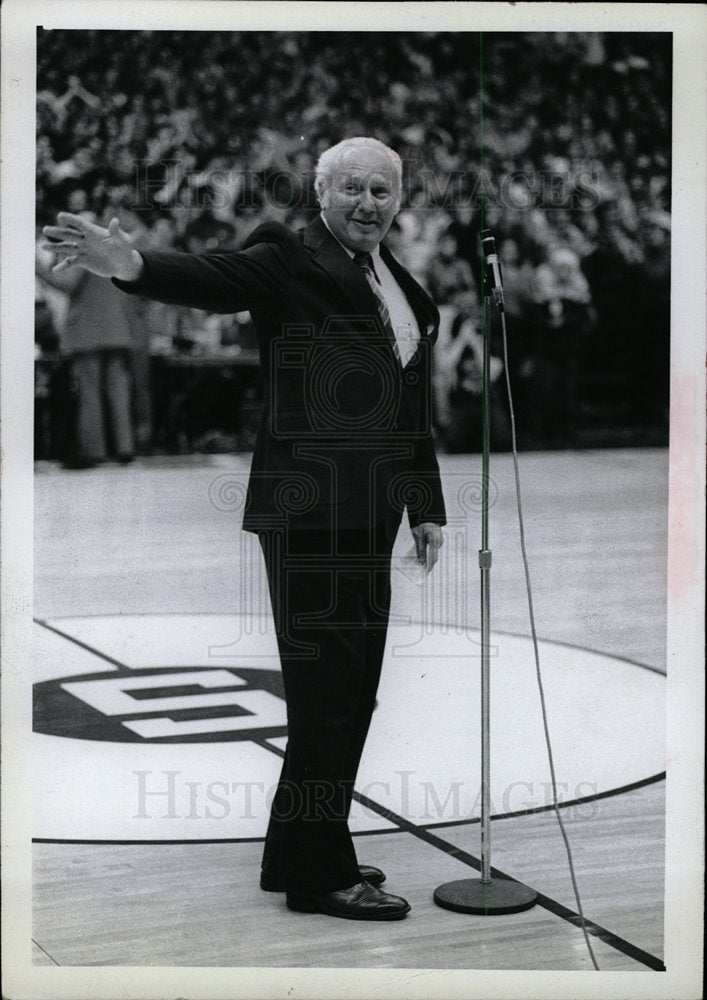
(410, 682)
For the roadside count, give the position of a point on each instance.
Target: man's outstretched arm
(223, 282)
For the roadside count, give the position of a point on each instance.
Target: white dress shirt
(402, 318)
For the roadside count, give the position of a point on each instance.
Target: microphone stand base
(471, 895)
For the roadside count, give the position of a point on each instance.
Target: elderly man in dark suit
(344, 447)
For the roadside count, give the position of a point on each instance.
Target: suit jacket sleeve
(426, 503)
(218, 282)
(426, 499)
(427, 484)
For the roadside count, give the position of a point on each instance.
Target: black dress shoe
(271, 883)
(361, 902)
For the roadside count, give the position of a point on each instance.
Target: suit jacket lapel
(328, 254)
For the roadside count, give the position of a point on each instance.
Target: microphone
(492, 268)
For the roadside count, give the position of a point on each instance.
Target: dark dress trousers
(343, 448)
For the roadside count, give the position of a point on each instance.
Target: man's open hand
(80, 243)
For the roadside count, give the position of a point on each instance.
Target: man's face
(362, 199)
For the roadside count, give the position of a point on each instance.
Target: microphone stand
(486, 896)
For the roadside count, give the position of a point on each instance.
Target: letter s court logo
(128, 749)
(163, 705)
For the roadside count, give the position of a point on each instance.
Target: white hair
(329, 159)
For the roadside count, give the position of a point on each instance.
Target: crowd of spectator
(559, 143)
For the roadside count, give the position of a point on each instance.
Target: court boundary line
(45, 952)
(83, 645)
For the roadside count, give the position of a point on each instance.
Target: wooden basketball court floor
(147, 823)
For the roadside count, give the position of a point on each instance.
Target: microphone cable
(548, 743)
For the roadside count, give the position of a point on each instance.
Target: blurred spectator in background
(447, 272)
(566, 233)
(462, 359)
(518, 273)
(464, 226)
(46, 368)
(450, 283)
(417, 227)
(120, 206)
(98, 336)
(563, 319)
(651, 377)
(612, 269)
(46, 335)
(157, 320)
(560, 280)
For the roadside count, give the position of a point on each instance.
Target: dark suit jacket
(345, 434)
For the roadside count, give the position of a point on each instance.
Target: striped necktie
(365, 262)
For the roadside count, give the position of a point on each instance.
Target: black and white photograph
(353, 500)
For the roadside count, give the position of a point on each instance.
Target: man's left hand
(428, 541)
